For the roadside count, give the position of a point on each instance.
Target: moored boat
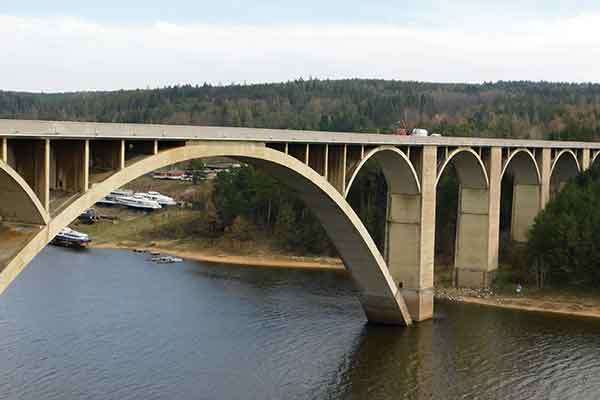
(158, 197)
(68, 237)
(166, 260)
(138, 202)
(108, 200)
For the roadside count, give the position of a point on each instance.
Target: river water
(102, 324)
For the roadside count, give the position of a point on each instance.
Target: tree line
(502, 109)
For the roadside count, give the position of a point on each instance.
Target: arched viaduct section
(51, 171)
(379, 296)
(526, 203)
(476, 254)
(409, 217)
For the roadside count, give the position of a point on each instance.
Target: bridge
(50, 172)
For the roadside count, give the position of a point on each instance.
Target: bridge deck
(95, 130)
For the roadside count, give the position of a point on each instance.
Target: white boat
(159, 198)
(122, 192)
(138, 202)
(108, 200)
(68, 237)
(113, 197)
(166, 260)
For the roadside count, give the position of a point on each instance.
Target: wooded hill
(503, 109)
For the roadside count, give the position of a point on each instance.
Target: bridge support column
(42, 173)
(478, 228)
(410, 238)
(525, 206)
(4, 150)
(545, 169)
(336, 167)
(585, 159)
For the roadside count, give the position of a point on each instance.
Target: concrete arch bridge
(52, 171)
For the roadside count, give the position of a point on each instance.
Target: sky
(73, 45)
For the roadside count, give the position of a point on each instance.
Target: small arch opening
(564, 168)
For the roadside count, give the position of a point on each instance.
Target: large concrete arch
(526, 197)
(19, 202)
(379, 296)
(564, 167)
(404, 245)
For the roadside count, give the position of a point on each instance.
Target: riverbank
(262, 260)
(550, 301)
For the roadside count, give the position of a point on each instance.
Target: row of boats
(147, 201)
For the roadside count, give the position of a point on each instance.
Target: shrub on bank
(564, 241)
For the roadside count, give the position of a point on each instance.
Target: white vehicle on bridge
(419, 132)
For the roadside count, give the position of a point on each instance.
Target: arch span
(19, 202)
(469, 167)
(399, 172)
(379, 296)
(522, 165)
(526, 192)
(564, 167)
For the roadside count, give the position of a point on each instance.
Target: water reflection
(387, 364)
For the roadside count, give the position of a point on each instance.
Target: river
(103, 324)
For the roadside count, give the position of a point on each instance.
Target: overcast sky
(84, 45)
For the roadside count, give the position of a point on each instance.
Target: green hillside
(502, 109)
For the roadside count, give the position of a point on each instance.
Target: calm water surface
(106, 324)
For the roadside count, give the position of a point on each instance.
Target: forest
(502, 109)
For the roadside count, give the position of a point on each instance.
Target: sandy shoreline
(238, 260)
